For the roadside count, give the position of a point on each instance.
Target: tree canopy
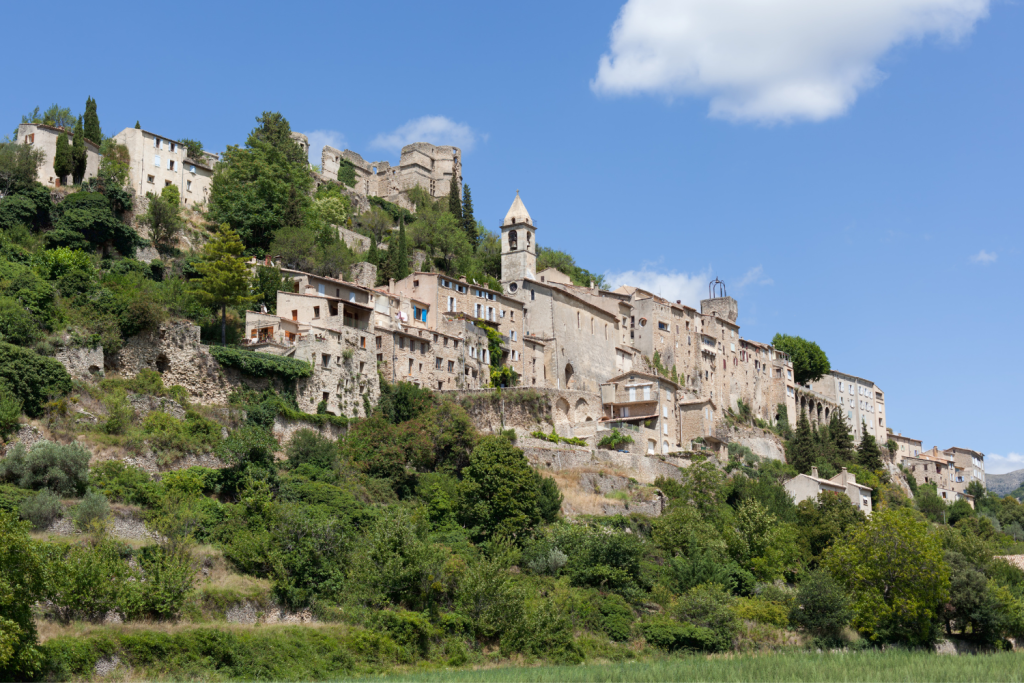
(809, 361)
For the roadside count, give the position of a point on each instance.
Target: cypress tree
(92, 122)
(842, 441)
(63, 164)
(868, 454)
(371, 253)
(468, 220)
(454, 201)
(78, 154)
(137, 126)
(292, 210)
(801, 450)
(400, 264)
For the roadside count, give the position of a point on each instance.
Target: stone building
(905, 447)
(157, 161)
(578, 336)
(44, 138)
(328, 323)
(643, 406)
(861, 401)
(421, 165)
(808, 486)
(970, 465)
(941, 469)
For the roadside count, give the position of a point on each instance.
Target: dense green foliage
(60, 468)
(91, 118)
(262, 364)
(809, 361)
(263, 186)
(33, 379)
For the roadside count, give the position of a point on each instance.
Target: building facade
(421, 164)
(157, 161)
(44, 138)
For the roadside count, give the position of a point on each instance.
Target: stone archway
(580, 411)
(561, 410)
(569, 372)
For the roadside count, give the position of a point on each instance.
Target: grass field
(895, 666)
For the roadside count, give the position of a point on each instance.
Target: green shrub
(62, 468)
(123, 483)
(549, 498)
(262, 364)
(170, 575)
(10, 411)
(410, 629)
(762, 611)
(92, 512)
(667, 634)
(87, 581)
(171, 438)
(11, 498)
(32, 378)
(615, 440)
(616, 618)
(708, 606)
(309, 447)
(42, 509)
(822, 607)
(119, 413)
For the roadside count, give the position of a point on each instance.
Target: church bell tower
(518, 244)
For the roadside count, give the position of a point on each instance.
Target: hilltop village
(666, 374)
(324, 404)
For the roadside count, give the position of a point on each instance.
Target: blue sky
(853, 170)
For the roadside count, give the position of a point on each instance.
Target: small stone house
(643, 406)
(157, 161)
(45, 138)
(808, 486)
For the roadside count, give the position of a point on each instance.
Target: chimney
(591, 284)
(391, 285)
(814, 472)
(462, 279)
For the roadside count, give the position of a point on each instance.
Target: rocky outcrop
(81, 362)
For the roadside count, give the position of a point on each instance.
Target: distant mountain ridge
(1004, 484)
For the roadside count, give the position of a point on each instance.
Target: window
(316, 311)
(188, 185)
(166, 183)
(174, 146)
(513, 288)
(533, 295)
(437, 363)
(664, 411)
(647, 393)
(410, 365)
(378, 342)
(192, 168)
(156, 143)
(451, 304)
(632, 393)
(170, 165)
(325, 359)
(327, 396)
(455, 343)
(150, 179)
(156, 161)
(650, 446)
(362, 342)
(451, 366)
(578, 325)
(513, 335)
(295, 315)
(662, 326)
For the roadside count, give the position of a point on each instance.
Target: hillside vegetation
(412, 541)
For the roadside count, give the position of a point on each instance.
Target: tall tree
(398, 254)
(455, 199)
(137, 126)
(868, 454)
(92, 122)
(63, 162)
(79, 156)
(225, 276)
(372, 255)
(801, 450)
(842, 441)
(256, 186)
(193, 148)
(468, 220)
(19, 165)
(809, 361)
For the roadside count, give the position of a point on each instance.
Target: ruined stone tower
(719, 302)
(518, 244)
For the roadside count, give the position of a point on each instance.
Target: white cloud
(769, 60)
(689, 289)
(437, 130)
(984, 257)
(1000, 464)
(318, 139)
(755, 276)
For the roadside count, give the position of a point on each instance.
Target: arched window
(513, 239)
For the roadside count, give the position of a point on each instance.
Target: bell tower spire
(518, 243)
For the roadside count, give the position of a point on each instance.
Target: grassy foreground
(896, 666)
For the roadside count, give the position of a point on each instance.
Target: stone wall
(175, 352)
(570, 413)
(81, 363)
(762, 442)
(645, 469)
(284, 429)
